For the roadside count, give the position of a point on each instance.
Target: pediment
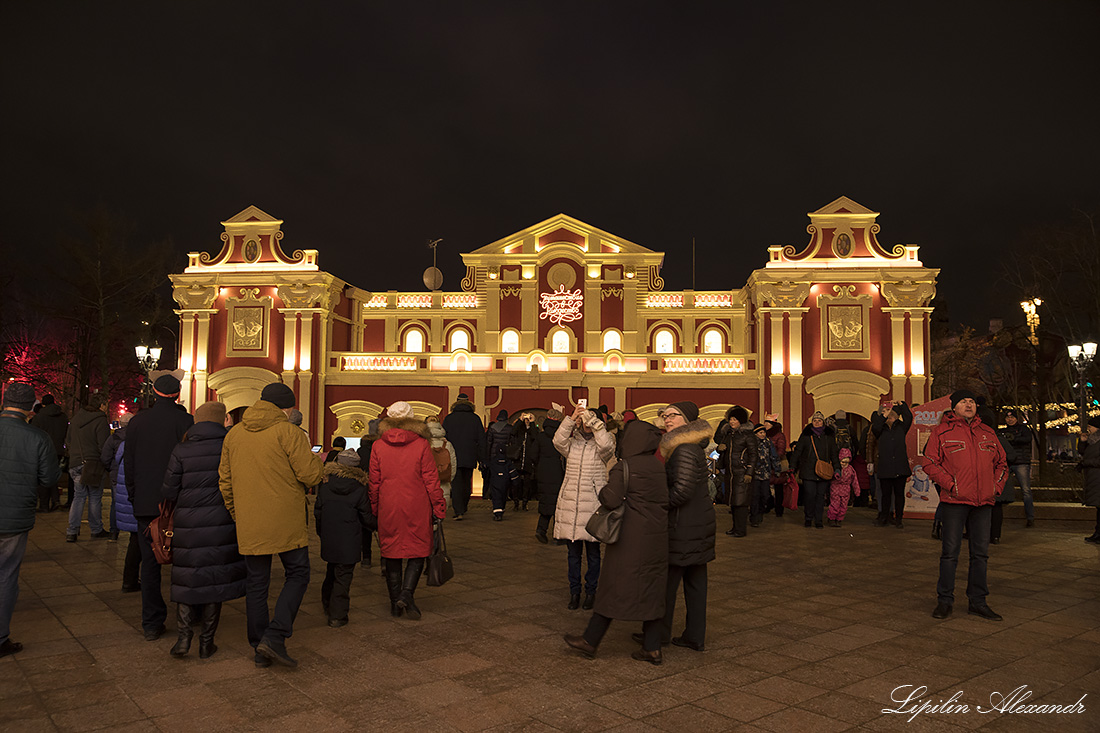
(561, 230)
(843, 206)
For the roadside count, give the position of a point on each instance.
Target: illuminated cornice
(703, 365)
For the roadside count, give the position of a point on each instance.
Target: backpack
(442, 458)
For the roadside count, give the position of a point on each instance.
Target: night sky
(374, 127)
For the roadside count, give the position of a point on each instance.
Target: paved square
(808, 630)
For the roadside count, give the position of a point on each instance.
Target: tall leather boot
(185, 616)
(392, 569)
(413, 569)
(211, 615)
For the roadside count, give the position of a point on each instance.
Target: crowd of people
(238, 498)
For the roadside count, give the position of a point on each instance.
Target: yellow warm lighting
(361, 363)
(796, 363)
(528, 272)
(304, 361)
(702, 365)
(594, 271)
(288, 361)
(917, 366)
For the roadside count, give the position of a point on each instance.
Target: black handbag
(605, 524)
(440, 568)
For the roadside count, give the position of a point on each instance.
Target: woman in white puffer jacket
(588, 450)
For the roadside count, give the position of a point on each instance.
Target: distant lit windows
(713, 343)
(509, 342)
(460, 339)
(559, 344)
(664, 341)
(612, 340)
(414, 341)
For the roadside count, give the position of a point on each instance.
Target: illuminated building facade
(558, 312)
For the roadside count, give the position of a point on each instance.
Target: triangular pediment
(842, 206)
(561, 230)
(252, 214)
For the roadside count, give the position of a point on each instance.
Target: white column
(290, 335)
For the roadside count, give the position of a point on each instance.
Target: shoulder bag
(823, 469)
(605, 524)
(440, 568)
(160, 533)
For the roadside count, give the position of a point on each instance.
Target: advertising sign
(921, 497)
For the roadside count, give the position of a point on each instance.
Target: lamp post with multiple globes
(148, 357)
(1081, 356)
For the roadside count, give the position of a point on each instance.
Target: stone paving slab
(808, 630)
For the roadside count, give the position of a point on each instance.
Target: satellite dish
(433, 278)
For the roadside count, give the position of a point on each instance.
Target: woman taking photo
(632, 579)
(404, 496)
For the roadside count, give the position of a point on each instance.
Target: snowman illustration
(920, 484)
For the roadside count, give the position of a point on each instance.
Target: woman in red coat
(405, 496)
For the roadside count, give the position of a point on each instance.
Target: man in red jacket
(966, 461)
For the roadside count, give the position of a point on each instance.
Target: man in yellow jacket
(266, 468)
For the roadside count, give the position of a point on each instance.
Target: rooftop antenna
(433, 278)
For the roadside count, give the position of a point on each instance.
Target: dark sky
(372, 127)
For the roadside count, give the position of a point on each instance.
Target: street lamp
(147, 356)
(1081, 357)
(1032, 316)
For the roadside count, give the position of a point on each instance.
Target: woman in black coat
(890, 426)
(817, 443)
(207, 569)
(549, 472)
(691, 522)
(634, 569)
(344, 517)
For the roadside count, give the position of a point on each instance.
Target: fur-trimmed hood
(396, 430)
(697, 431)
(339, 470)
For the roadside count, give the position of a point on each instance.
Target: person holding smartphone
(890, 426)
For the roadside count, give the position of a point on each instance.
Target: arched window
(460, 339)
(560, 343)
(612, 340)
(713, 343)
(664, 341)
(509, 342)
(414, 341)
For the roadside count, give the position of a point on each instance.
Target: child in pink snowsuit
(841, 488)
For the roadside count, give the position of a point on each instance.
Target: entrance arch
(848, 390)
(240, 386)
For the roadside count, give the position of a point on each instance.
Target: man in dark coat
(150, 438)
(207, 568)
(1020, 435)
(737, 452)
(87, 433)
(890, 426)
(549, 472)
(691, 524)
(52, 420)
(27, 459)
(467, 434)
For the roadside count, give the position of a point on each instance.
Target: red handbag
(160, 533)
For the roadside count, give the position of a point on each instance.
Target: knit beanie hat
(348, 458)
(502, 415)
(962, 394)
(840, 415)
(279, 395)
(845, 453)
(296, 417)
(760, 428)
(19, 395)
(817, 416)
(211, 412)
(167, 386)
(689, 410)
(399, 410)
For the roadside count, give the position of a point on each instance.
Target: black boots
(185, 618)
(391, 568)
(574, 602)
(401, 586)
(413, 568)
(211, 615)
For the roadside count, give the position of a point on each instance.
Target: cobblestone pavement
(809, 630)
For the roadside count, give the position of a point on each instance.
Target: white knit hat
(400, 409)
